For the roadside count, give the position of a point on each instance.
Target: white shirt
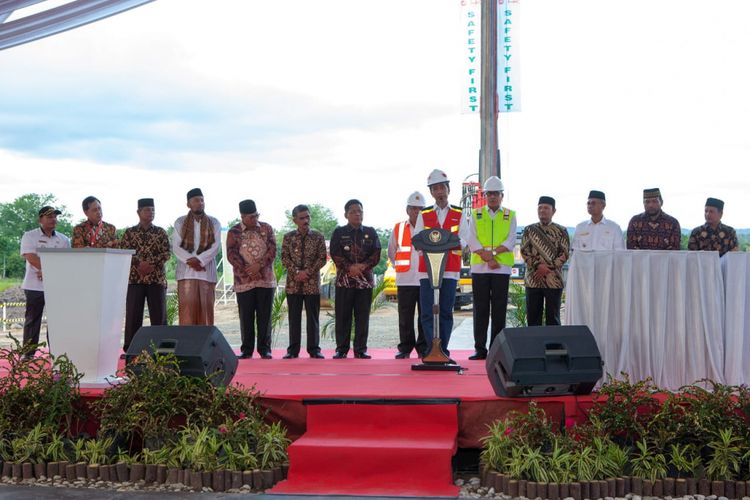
(207, 258)
(604, 235)
(30, 241)
(410, 277)
(442, 213)
(474, 245)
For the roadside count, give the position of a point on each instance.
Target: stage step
(380, 449)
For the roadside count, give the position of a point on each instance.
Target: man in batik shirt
(148, 282)
(303, 254)
(251, 249)
(713, 235)
(355, 249)
(653, 229)
(93, 232)
(545, 247)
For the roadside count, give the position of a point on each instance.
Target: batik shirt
(723, 239)
(151, 245)
(545, 244)
(647, 233)
(303, 252)
(350, 245)
(91, 235)
(248, 245)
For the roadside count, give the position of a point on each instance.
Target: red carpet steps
(375, 449)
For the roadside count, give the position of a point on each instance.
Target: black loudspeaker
(201, 350)
(544, 361)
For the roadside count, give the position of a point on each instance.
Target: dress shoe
(289, 356)
(362, 355)
(402, 355)
(478, 355)
(339, 355)
(317, 355)
(245, 355)
(266, 355)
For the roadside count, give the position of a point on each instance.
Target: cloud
(157, 126)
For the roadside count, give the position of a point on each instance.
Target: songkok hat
(194, 192)
(651, 193)
(146, 202)
(416, 199)
(715, 202)
(597, 195)
(494, 183)
(47, 210)
(247, 207)
(437, 177)
(547, 200)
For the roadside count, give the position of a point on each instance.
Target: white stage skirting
(676, 316)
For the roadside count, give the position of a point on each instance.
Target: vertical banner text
(508, 62)
(471, 11)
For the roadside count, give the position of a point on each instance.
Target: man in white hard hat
(405, 260)
(491, 239)
(450, 217)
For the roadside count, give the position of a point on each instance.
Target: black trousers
(548, 299)
(490, 296)
(356, 302)
(138, 295)
(255, 304)
(33, 317)
(408, 302)
(312, 309)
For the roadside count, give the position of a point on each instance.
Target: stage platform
(288, 385)
(372, 419)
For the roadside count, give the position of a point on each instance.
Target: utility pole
(489, 152)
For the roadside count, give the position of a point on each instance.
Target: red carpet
(374, 449)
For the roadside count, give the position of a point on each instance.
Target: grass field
(7, 283)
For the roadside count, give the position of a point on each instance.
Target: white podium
(84, 291)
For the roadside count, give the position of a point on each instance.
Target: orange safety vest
(452, 224)
(402, 235)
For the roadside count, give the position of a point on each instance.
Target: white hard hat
(437, 177)
(494, 184)
(416, 199)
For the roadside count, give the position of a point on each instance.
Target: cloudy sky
(319, 101)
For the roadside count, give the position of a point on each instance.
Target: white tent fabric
(735, 267)
(49, 22)
(653, 313)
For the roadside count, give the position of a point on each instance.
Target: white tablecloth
(735, 268)
(653, 313)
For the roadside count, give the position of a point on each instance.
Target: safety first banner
(508, 62)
